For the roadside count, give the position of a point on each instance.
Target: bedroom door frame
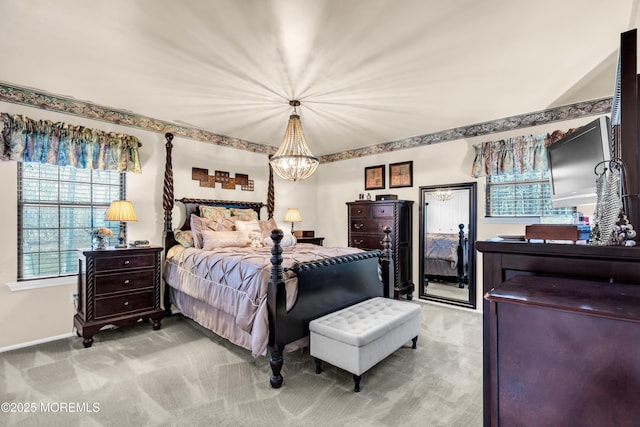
(470, 229)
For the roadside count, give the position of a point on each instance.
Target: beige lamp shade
(292, 215)
(121, 210)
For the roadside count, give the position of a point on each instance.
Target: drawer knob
(126, 303)
(126, 282)
(359, 210)
(358, 242)
(358, 226)
(381, 210)
(126, 261)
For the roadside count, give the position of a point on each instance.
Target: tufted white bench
(357, 337)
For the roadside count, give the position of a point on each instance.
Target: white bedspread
(234, 281)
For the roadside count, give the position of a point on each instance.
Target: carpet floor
(185, 375)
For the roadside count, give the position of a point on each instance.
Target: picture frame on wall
(374, 177)
(401, 174)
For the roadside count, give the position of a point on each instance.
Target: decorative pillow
(215, 213)
(184, 237)
(245, 214)
(287, 240)
(198, 225)
(224, 239)
(267, 226)
(225, 224)
(248, 225)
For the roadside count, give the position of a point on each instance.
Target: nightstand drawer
(382, 211)
(123, 304)
(109, 283)
(125, 261)
(361, 226)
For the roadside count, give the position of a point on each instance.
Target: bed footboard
(324, 286)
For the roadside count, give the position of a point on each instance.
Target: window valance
(514, 155)
(62, 144)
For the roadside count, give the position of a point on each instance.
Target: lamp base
(122, 238)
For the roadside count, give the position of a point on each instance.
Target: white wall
(36, 314)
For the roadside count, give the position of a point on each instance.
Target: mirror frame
(471, 245)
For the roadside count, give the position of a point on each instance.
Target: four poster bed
(445, 257)
(260, 298)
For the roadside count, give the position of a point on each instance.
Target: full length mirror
(447, 244)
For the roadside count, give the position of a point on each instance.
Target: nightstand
(117, 287)
(313, 240)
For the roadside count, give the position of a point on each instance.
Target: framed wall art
(374, 177)
(401, 174)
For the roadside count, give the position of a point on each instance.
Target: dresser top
(386, 202)
(583, 251)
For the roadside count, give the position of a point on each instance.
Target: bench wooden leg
(356, 380)
(318, 365)
(415, 342)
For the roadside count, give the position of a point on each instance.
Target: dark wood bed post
(271, 195)
(279, 314)
(167, 205)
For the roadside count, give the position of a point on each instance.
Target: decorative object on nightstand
(367, 220)
(121, 210)
(117, 287)
(292, 215)
(99, 238)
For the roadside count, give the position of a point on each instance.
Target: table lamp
(121, 210)
(292, 215)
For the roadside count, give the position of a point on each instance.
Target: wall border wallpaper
(38, 99)
(34, 98)
(565, 112)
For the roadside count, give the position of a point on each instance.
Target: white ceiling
(366, 71)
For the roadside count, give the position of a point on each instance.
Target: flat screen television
(572, 161)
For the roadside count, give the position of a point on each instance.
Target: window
(58, 206)
(521, 194)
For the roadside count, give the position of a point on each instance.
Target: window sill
(42, 283)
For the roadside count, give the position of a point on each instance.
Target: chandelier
(293, 161)
(443, 195)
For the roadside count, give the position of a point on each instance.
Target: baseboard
(35, 342)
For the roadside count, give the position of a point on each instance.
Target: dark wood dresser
(367, 220)
(117, 287)
(561, 334)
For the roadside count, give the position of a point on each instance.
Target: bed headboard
(191, 207)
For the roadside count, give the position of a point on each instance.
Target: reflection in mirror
(447, 243)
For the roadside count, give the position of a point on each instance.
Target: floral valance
(62, 144)
(514, 155)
